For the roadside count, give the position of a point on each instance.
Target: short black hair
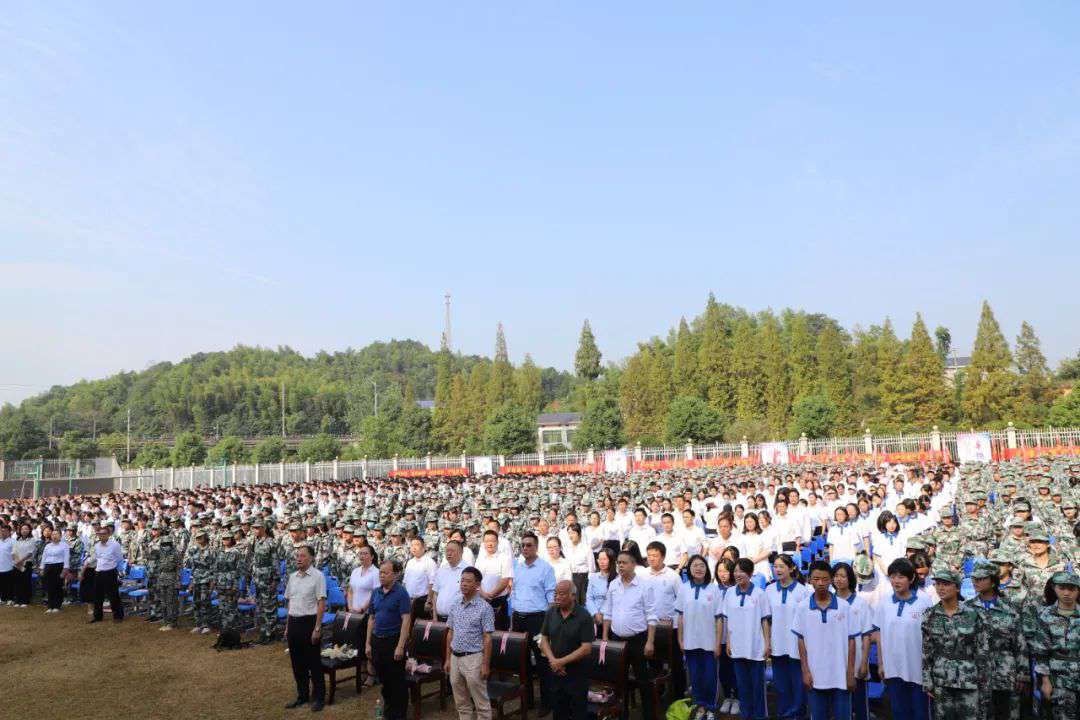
(820, 565)
(901, 566)
(658, 546)
(477, 575)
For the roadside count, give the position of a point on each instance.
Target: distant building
(557, 429)
(954, 364)
(426, 404)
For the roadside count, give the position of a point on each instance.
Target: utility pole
(446, 325)
(376, 386)
(50, 432)
(282, 408)
(129, 436)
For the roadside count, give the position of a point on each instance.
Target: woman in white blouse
(54, 564)
(593, 535)
(555, 559)
(363, 581)
(580, 556)
(596, 593)
(22, 553)
(756, 545)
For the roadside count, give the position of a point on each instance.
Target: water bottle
(379, 709)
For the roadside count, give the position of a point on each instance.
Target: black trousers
(107, 585)
(391, 672)
(570, 693)
(581, 584)
(502, 617)
(7, 586)
(530, 623)
(86, 586)
(54, 585)
(635, 658)
(24, 588)
(306, 658)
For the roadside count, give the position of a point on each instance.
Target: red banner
(684, 463)
(430, 472)
(546, 469)
(1031, 453)
(915, 456)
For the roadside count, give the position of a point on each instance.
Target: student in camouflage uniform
(955, 651)
(166, 580)
(949, 544)
(150, 549)
(1015, 543)
(974, 530)
(1040, 563)
(1009, 585)
(1056, 646)
(264, 579)
(228, 568)
(202, 559)
(75, 554)
(1009, 675)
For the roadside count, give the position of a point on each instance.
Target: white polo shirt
(418, 576)
(673, 547)
(845, 540)
(642, 535)
(743, 613)
(900, 625)
(826, 633)
(782, 604)
(861, 611)
(494, 567)
(693, 539)
(447, 585)
(698, 607)
(664, 586)
(629, 606)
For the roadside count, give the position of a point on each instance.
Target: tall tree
(601, 424)
(944, 342)
(777, 394)
(989, 383)
(529, 390)
(889, 354)
(501, 387)
(1035, 384)
(923, 395)
(714, 356)
(801, 357)
(866, 376)
(685, 364)
(746, 366)
(587, 357)
(834, 377)
(477, 407)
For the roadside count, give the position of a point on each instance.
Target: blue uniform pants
(750, 681)
(829, 704)
(701, 665)
(790, 692)
(860, 704)
(726, 668)
(907, 700)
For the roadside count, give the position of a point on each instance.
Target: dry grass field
(60, 666)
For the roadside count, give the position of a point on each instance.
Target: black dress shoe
(317, 706)
(295, 704)
(91, 622)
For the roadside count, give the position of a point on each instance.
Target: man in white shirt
(497, 569)
(446, 589)
(418, 576)
(664, 585)
(629, 615)
(675, 554)
(641, 532)
(7, 567)
(109, 556)
(693, 537)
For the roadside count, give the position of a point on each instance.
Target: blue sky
(177, 179)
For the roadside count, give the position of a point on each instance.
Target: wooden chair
(428, 651)
(608, 676)
(665, 645)
(353, 634)
(507, 680)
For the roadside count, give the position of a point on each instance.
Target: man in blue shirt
(532, 595)
(387, 633)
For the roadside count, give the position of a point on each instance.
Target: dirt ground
(59, 666)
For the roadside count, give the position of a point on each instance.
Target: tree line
(723, 375)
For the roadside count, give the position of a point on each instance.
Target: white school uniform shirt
(845, 540)
(611, 530)
(900, 625)
(593, 536)
(673, 547)
(887, 546)
(693, 539)
(7, 562)
(782, 604)
(753, 543)
(743, 613)
(624, 521)
(826, 632)
(664, 586)
(698, 607)
(861, 612)
(447, 586)
(642, 535)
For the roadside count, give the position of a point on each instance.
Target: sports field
(59, 666)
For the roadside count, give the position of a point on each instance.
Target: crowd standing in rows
(961, 579)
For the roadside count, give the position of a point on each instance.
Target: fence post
(363, 468)
(281, 469)
(540, 456)
(307, 471)
(257, 473)
(590, 456)
(464, 460)
(637, 452)
(393, 463)
(1010, 436)
(427, 462)
(745, 447)
(804, 445)
(868, 443)
(689, 449)
(935, 439)
(335, 469)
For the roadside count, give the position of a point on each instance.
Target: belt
(529, 614)
(455, 653)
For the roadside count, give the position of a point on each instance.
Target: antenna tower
(446, 325)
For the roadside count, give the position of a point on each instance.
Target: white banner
(482, 465)
(615, 461)
(973, 447)
(774, 453)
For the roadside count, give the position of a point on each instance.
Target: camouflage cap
(295, 526)
(999, 556)
(201, 533)
(1066, 578)
(349, 530)
(943, 573)
(863, 567)
(985, 570)
(916, 543)
(1038, 534)
(166, 540)
(268, 523)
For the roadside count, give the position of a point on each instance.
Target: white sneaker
(195, 630)
(49, 611)
(735, 709)
(165, 628)
(205, 630)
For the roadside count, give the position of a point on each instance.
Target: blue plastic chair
(335, 598)
(759, 580)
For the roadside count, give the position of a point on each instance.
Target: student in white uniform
(729, 704)
(785, 595)
(580, 558)
(843, 538)
(746, 627)
(756, 546)
(844, 583)
(897, 628)
(827, 632)
(699, 627)
(557, 560)
(693, 537)
(674, 552)
(887, 543)
(641, 531)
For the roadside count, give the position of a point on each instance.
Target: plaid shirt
(470, 619)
